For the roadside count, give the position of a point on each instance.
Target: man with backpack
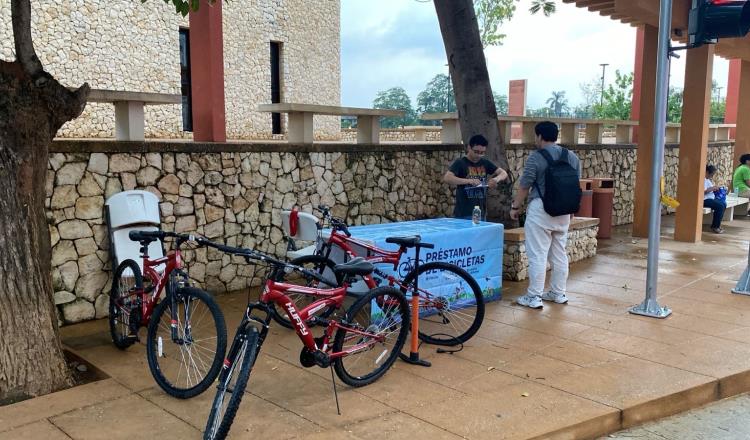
(550, 180)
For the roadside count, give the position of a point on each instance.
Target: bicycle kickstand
(335, 394)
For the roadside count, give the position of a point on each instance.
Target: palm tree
(548, 7)
(557, 103)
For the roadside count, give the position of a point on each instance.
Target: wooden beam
(694, 143)
(742, 139)
(644, 153)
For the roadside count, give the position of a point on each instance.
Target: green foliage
(616, 99)
(395, 98)
(674, 105)
(547, 7)
(184, 6)
(501, 103)
(558, 104)
(491, 14)
(437, 97)
(718, 109)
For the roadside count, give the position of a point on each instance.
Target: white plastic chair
(132, 211)
(306, 229)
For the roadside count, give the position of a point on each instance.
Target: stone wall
(232, 196)
(394, 135)
(235, 192)
(134, 46)
(581, 244)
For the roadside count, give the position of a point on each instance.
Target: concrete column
(696, 106)
(733, 95)
(516, 104)
(646, 110)
(451, 132)
(129, 122)
(368, 129)
(207, 73)
(742, 138)
(637, 79)
(300, 130)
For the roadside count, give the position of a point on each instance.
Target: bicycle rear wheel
(451, 305)
(233, 381)
(186, 365)
(124, 312)
(382, 311)
(318, 263)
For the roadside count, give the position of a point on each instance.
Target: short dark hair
(478, 139)
(547, 130)
(710, 169)
(744, 158)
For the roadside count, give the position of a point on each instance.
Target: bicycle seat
(408, 242)
(357, 266)
(144, 237)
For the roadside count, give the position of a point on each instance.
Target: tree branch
(25, 54)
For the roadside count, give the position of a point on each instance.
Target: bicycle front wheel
(381, 313)
(451, 305)
(232, 383)
(185, 352)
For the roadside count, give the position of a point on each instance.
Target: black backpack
(562, 192)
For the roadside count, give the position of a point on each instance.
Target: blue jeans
(718, 207)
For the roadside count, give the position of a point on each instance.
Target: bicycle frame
(173, 261)
(275, 292)
(373, 255)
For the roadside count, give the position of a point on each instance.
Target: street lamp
(718, 93)
(601, 97)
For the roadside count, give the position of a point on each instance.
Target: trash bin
(602, 203)
(132, 211)
(586, 198)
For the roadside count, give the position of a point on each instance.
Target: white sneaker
(530, 301)
(559, 298)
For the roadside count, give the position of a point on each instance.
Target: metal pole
(601, 96)
(649, 306)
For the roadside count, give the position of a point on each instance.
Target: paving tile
(43, 407)
(404, 391)
(533, 320)
(617, 342)
(256, 417)
(124, 418)
(129, 367)
(398, 426)
(311, 396)
(42, 429)
(514, 412)
(709, 355)
(643, 390)
(513, 336)
(580, 354)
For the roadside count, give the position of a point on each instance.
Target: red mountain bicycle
(451, 304)
(360, 346)
(186, 337)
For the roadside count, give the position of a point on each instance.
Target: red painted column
(637, 79)
(207, 73)
(516, 103)
(733, 95)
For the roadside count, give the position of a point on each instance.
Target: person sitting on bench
(710, 200)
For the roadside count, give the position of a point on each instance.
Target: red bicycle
(451, 303)
(187, 336)
(360, 346)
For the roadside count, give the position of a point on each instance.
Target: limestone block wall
(134, 46)
(235, 192)
(393, 135)
(581, 244)
(235, 197)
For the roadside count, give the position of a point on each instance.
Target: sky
(389, 43)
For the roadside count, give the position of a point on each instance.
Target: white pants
(546, 236)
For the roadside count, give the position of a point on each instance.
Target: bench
(300, 128)
(569, 128)
(129, 122)
(732, 202)
(582, 244)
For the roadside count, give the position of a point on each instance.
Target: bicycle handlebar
(337, 223)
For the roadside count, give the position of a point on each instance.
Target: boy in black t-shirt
(472, 170)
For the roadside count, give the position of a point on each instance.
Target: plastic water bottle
(476, 215)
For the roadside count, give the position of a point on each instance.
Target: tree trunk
(33, 106)
(471, 84)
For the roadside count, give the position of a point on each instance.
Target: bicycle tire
(244, 349)
(359, 311)
(451, 334)
(119, 327)
(301, 300)
(154, 344)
